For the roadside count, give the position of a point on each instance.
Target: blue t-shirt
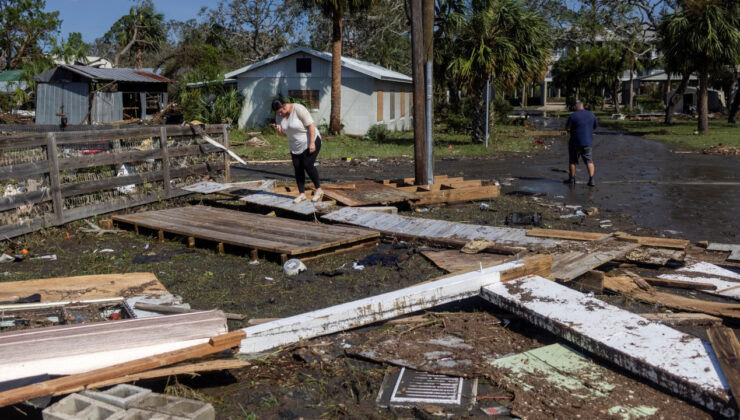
(582, 124)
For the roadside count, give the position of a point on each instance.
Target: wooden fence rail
(171, 151)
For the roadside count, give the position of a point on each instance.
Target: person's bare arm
(312, 138)
(278, 129)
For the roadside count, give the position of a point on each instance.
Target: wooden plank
(368, 193)
(678, 284)
(373, 309)
(626, 286)
(24, 170)
(432, 230)
(455, 261)
(726, 347)
(55, 188)
(569, 266)
(282, 202)
(227, 164)
(726, 282)
(94, 286)
(166, 179)
(657, 353)
(682, 319)
(17, 200)
(654, 242)
(183, 369)
(457, 195)
(566, 234)
(72, 349)
(655, 256)
(64, 385)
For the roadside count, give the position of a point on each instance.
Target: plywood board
(727, 282)
(453, 261)
(734, 250)
(84, 287)
(654, 352)
(70, 349)
(415, 227)
(368, 193)
(568, 266)
(566, 234)
(272, 234)
(285, 202)
(655, 242)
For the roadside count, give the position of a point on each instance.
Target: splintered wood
(446, 190)
(84, 287)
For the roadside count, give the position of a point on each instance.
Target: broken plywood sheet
(557, 369)
(655, 352)
(568, 266)
(72, 349)
(208, 187)
(381, 307)
(726, 281)
(453, 261)
(414, 227)
(732, 248)
(655, 256)
(285, 202)
(368, 193)
(84, 287)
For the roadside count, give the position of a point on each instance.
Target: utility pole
(421, 172)
(428, 60)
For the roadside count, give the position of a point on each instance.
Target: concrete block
(136, 414)
(80, 407)
(175, 406)
(122, 395)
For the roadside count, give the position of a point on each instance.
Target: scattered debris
(293, 266)
(531, 219)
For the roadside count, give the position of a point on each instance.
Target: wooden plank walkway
(414, 227)
(286, 237)
(285, 202)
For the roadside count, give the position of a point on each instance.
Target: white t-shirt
(296, 128)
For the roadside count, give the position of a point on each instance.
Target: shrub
(378, 132)
(502, 108)
(458, 124)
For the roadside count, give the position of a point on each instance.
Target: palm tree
(335, 11)
(705, 33)
(142, 28)
(501, 41)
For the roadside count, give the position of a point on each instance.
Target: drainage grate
(422, 387)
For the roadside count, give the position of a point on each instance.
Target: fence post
(56, 186)
(165, 162)
(227, 168)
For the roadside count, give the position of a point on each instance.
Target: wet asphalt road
(684, 194)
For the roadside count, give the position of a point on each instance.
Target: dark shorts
(576, 152)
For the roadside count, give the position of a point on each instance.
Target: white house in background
(371, 94)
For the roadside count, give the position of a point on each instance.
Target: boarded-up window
(303, 65)
(380, 105)
(311, 97)
(392, 104)
(403, 104)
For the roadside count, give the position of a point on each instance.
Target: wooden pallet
(285, 237)
(446, 190)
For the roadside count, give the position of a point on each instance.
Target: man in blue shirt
(581, 125)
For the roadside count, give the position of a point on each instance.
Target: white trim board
(370, 310)
(678, 362)
(727, 282)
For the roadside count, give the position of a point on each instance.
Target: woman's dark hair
(277, 104)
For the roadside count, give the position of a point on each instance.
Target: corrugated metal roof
(119, 75)
(360, 66)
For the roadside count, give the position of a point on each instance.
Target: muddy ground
(335, 376)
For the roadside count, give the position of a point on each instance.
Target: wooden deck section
(285, 237)
(285, 202)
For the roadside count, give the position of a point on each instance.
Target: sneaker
(571, 181)
(591, 182)
(317, 196)
(299, 199)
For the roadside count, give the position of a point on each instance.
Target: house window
(311, 97)
(380, 105)
(393, 105)
(303, 65)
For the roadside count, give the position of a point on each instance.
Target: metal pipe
(429, 136)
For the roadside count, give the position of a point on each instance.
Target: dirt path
(681, 193)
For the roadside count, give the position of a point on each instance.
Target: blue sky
(93, 18)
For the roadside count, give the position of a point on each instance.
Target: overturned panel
(726, 281)
(678, 362)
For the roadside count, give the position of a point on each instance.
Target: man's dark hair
(277, 104)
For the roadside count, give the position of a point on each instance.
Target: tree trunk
(454, 96)
(632, 86)
(524, 97)
(735, 104)
(336, 74)
(615, 95)
(703, 101)
(676, 98)
(479, 116)
(667, 88)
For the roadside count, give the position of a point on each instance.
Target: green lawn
(399, 144)
(681, 133)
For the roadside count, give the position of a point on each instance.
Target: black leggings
(304, 164)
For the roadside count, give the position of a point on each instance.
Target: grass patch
(398, 144)
(682, 132)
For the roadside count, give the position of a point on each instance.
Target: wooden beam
(678, 284)
(566, 234)
(456, 195)
(54, 178)
(65, 384)
(681, 319)
(569, 266)
(654, 242)
(662, 355)
(726, 347)
(379, 308)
